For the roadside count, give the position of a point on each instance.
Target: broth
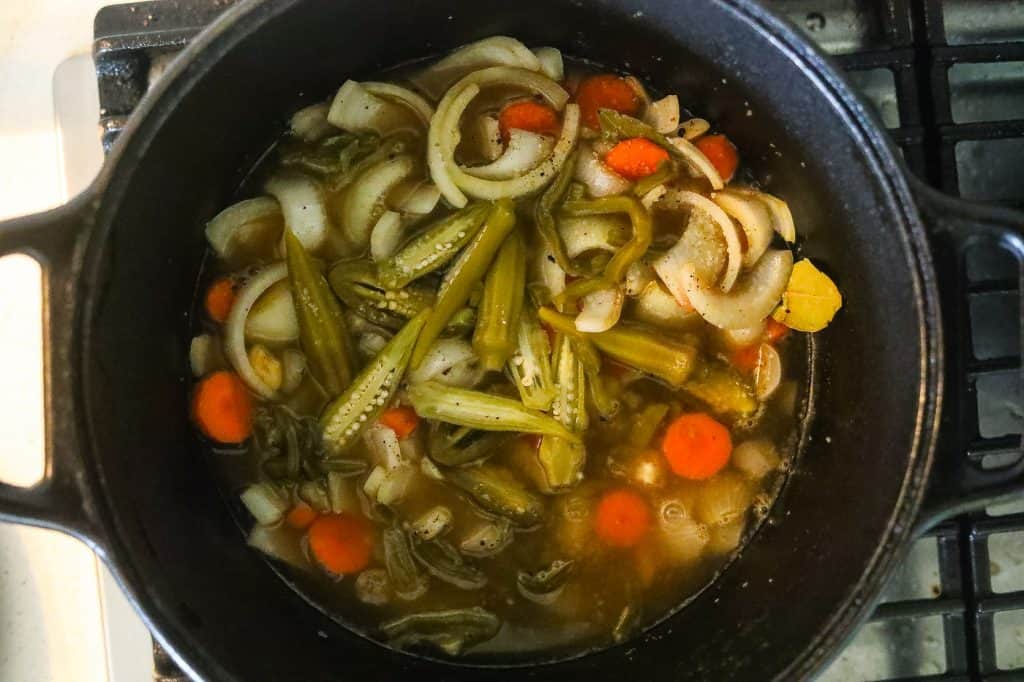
(515, 541)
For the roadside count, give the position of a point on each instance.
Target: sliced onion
(302, 205)
(600, 180)
(493, 51)
(768, 373)
(551, 64)
(293, 364)
(358, 110)
(547, 272)
(452, 362)
(729, 231)
(753, 216)
(751, 300)
(234, 327)
(639, 275)
(396, 485)
(310, 123)
(382, 442)
(489, 133)
(694, 128)
(204, 355)
(747, 336)
(603, 232)
(364, 198)
(656, 194)
(524, 151)
(655, 305)
(263, 502)
(420, 200)
(782, 217)
(601, 310)
(278, 542)
(663, 114)
(252, 226)
(405, 96)
(698, 161)
(272, 318)
(386, 235)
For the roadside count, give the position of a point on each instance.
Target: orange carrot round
(721, 153)
(774, 331)
(341, 543)
(622, 518)
(528, 115)
(696, 446)
(301, 516)
(635, 158)
(222, 407)
(219, 299)
(605, 91)
(403, 420)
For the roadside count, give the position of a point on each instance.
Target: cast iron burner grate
(947, 79)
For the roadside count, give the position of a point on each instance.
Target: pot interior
(220, 607)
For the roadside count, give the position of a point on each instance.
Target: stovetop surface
(946, 78)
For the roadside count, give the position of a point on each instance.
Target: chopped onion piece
(373, 586)
(293, 366)
(263, 502)
(768, 373)
(245, 226)
(310, 123)
(430, 470)
(382, 442)
(601, 310)
(272, 318)
(396, 485)
(656, 306)
(524, 151)
(747, 336)
(663, 114)
(547, 273)
(417, 104)
(432, 522)
(204, 354)
(600, 180)
(489, 133)
(698, 161)
(652, 197)
(372, 483)
(753, 216)
(668, 266)
(639, 275)
(371, 343)
(493, 51)
(279, 543)
(267, 366)
(302, 205)
(551, 64)
(450, 361)
(234, 327)
(603, 232)
(364, 199)
(756, 458)
(782, 217)
(358, 110)
(694, 128)
(421, 200)
(753, 298)
(385, 236)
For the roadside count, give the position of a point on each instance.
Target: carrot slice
(219, 299)
(696, 446)
(301, 516)
(222, 408)
(745, 359)
(341, 543)
(721, 153)
(774, 331)
(402, 420)
(635, 158)
(622, 518)
(528, 115)
(605, 91)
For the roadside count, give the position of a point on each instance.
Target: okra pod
(362, 402)
(597, 384)
(455, 446)
(433, 247)
(497, 491)
(635, 345)
(322, 331)
(467, 270)
(359, 288)
(405, 575)
(544, 586)
(452, 631)
(722, 389)
(500, 308)
(446, 564)
(479, 410)
(562, 460)
(544, 214)
(530, 364)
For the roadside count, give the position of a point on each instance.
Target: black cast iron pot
(126, 474)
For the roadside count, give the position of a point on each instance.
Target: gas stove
(946, 78)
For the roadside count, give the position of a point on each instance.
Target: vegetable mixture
(501, 356)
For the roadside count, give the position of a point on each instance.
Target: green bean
(433, 247)
(562, 460)
(722, 389)
(455, 446)
(363, 401)
(636, 247)
(322, 331)
(446, 564)
(530, 365)
(597, 386)
(502, 304)
(544, 214)
(479, 410)
(405, 575)
(333, 155)
(646, 423)
(635, 345)
(544, 586)
(467, 270)
(498, 492)
(452, 631)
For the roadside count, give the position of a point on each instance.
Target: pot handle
(958, 482)
(62, 499)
